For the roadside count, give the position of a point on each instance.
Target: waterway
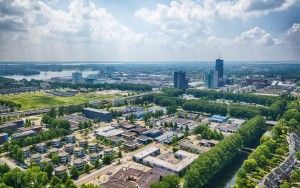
(45, 75)
(226, 178)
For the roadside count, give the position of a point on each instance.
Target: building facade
(97, 114)
(220, 67)
(76, 77)
(180, 80)
(212, 79)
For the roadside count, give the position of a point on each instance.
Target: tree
(52, 113)
(55, 159)
(285, 184)
(168, 181)
(171, 109)
(86, 167)
(249, 165)
(60, 111)
(107, 159)
(97, 163)
(3, 169)
(48, 169)
(74, 172)
(55, 181)
(295, 176)
(69, 184)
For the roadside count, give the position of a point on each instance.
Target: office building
(97, 114)
(212, 79)
(219, 67)
(180, 80)
(76, 77)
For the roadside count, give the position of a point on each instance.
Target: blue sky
(149, 30)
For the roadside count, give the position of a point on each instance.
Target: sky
(149, 30)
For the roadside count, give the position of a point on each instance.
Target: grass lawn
(43, 100)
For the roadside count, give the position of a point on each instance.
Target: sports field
(43, 100)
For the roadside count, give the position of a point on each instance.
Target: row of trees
(155, 114)
(210, 163)
(267, 154)
(10, 104)
(235, 110)
(62, 110)
(205, 106)
(248, 98)
(120, 86)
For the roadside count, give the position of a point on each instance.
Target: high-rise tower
(180, 80)
(219, 67)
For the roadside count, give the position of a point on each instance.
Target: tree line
(246, 97)
(120, 86)
(10, 104)
(210, 163)
(270, 149)
(171, 100)
(235, 110)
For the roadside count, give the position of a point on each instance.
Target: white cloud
(182, 30)
(184, 18)
(292, 38)
(83, 20)
(256, 36)
(252, 8)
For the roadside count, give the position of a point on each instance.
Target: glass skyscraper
(219, 67)
(180, 80)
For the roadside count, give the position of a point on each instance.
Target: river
(45, 75)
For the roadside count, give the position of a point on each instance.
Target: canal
(226, 178)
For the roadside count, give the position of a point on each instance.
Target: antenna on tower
(219, 54)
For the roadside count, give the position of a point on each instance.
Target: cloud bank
(182, 30)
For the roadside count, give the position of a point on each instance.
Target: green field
(43, 100)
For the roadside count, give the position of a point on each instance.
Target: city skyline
(184, 30)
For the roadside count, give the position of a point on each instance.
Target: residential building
(3, 137)
(97, 114)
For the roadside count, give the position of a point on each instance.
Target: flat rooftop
(146, 152)
(97, 110)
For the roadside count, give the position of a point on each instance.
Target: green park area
(38, 100)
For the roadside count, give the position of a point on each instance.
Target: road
(10, 164)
